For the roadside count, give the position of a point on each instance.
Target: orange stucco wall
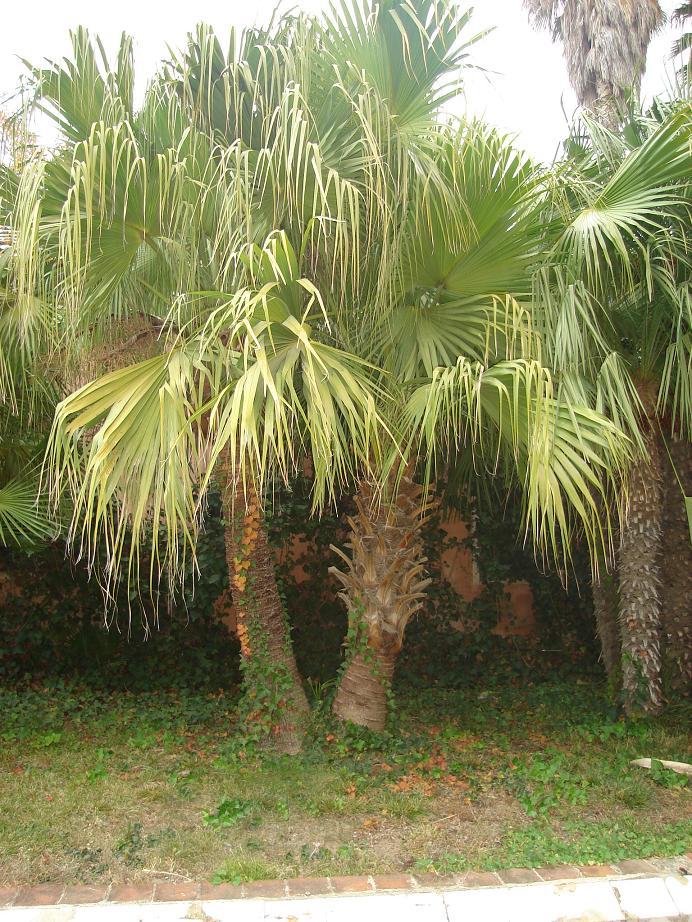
(515, 616)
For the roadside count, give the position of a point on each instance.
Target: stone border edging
(301, 887)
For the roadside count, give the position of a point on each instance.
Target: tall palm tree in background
(605, 45)
(682, 46)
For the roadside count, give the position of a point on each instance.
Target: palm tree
(461, 362)
(141, 215)
(605, 225)
(682, 46)
(676, 567)
(605, 47)
(384, 585)
(606, 605)
(24, 522)
(27, 396)
(618, 323)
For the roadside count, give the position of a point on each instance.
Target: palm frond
(628, 209)
(568, 459)
(23, 517)
(85, 89)
(125, 450)
(466, 254)
(294, 395)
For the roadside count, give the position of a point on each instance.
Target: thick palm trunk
(274, 704)
(383, 586)
(640, 586)
(363, 691)
(676, 612)
(605, 606)
(605, 107)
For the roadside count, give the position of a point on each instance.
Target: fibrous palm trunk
(605, 107)
(605, 606)
(274, 706)
(676, 613)
(384, 585)
(640, 585)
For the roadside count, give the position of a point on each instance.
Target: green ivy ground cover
(98, 786)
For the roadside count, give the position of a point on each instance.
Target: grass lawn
(97, 786)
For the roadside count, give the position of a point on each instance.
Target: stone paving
(651, 891)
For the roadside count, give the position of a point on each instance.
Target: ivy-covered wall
(487, 600)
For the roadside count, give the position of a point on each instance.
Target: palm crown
(328, 264)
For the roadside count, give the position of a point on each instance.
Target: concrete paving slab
(199, 911)
(229, 911)
(645, 898)
(308, 910)
(38, 914)
(490, 903)
(115, 912)
(583, 900)
(680, 888)
(404, 907)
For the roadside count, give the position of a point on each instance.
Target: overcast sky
(525, 91)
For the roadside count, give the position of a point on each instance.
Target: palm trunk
(383, 587)
(364, 689)
(605, 107)
(274, 704)
(677, 572)
(605, 606)
(640, 586)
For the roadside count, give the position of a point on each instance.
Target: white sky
(525, 92)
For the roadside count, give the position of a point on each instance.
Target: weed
(243, 870)
(314, 851)
(449, 863)
(280, 807)
(228, 813)
(588, 843)
(632, 793)
(607, 731)
(400, 806)
(666, 777)
(543, 781)
(129, 846)
(89, 862)
(97, 773)
(327, 804)
(47, 740)
(143, 739)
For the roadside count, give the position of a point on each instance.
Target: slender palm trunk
(640, 585)
(605, 606)
(383, 586)
(274, 704)
(677, 571)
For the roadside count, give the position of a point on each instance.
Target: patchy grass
(120, 787)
